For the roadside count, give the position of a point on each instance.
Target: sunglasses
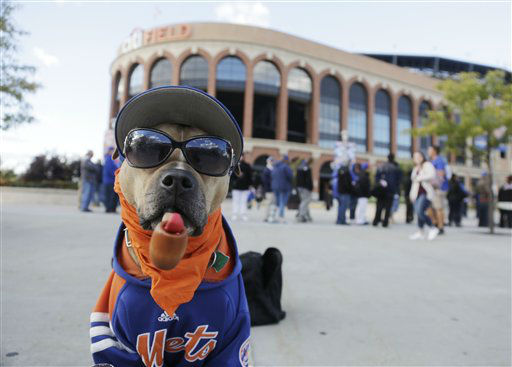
(208, 155)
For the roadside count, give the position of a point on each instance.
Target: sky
(72, 44)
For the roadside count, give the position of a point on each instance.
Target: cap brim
(178, 105)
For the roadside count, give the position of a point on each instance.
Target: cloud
(45, 57)
(253, 13)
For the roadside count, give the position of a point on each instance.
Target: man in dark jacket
(242, 183)
(505, 203)
(344, 189)
(282, 177)
(362, 192)
(387, 179)
(304, 182)
(109, 168)
(455, 198)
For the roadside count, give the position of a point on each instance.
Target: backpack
(263, 283)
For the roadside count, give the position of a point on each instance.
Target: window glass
(136, 85)
(382, 123)
(194, 72)
(403, 127)
(358, 102)
(329, 124)
(161, 73)
(266, 78)
(231, 74)
(299, 85)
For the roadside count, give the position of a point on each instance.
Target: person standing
(455, 198)
(305, 187)
(241, 189)
(505, 203)
(422, 194)
(88, 172)
(440, 185)
(483, 198)
(266, 178)
(353, 195)
(362, 191)
(282, 183)
(388, 177)
(109, 168)
(343, 191)
(409, 209)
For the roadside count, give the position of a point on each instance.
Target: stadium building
(290, 95)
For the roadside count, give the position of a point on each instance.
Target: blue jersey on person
(129, 329)
(440, 164)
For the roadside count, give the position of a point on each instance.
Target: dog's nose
(178, 181)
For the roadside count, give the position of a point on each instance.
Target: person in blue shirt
(441, 185)
(282, 184)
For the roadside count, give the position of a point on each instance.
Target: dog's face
(174, 186)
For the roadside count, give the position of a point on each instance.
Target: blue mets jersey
(129, 329)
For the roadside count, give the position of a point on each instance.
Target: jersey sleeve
(106, 347)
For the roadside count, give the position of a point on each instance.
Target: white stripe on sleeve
(99, 317)
(100, 330)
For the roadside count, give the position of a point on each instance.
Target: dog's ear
(115, 154)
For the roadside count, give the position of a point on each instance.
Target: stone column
(212, 76)
(313, 132)
(369, 120)
(344, 106)
(248, 102)
(394, 117)
(282, 108)
(415, 122)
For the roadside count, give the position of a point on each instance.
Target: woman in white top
(422, 193)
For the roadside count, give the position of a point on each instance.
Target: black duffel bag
(263, 283)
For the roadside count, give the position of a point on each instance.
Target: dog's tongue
(173, 223)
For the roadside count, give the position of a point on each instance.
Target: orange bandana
(171, 288)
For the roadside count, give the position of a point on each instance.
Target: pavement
(353, 295)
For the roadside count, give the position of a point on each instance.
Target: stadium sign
(140, 37)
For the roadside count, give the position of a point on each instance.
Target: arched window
(382, 123)
(230, 86)
(267, 82)
(231, 74)
(161, 73)
(136, 78)
(267, 79)
(358, 105)
(425, 141)
(299, 98)
(403, 127)
(194, 72)
(329, 124)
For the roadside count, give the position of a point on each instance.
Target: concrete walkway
(354, 295)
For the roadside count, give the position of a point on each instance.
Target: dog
(197, 313)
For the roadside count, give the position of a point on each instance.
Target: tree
(14, 83)
(475, 108)
(51, 168)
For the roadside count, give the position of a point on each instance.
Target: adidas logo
(164, 317)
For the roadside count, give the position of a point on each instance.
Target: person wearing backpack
(387, 181)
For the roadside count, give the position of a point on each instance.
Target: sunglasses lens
(210, 156)
(145, 148)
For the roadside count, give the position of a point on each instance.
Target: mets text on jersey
(154, 356)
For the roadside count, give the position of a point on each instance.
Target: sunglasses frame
(180, 145)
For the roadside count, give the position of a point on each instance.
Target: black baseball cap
(182, 105)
